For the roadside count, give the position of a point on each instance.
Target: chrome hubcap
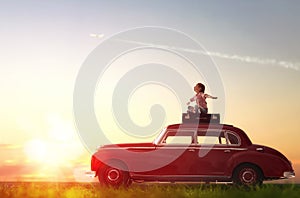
(113, 175)
(248, 176)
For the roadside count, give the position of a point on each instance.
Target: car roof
(240, 132)
(200, 126)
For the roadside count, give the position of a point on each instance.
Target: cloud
(9, 146)
(96, 35)
(258, 60)
(235, 57)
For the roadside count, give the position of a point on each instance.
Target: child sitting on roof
(200, 98)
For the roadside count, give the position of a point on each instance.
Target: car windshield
(159, 137)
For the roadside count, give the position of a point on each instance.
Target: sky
(251, 48)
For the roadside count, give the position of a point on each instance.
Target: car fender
(270, 165)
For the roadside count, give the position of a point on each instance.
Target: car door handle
(191, 150)
(227, 151)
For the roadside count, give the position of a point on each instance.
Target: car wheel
(113, 177)
(248, 175)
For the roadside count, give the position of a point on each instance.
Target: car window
(179, 140)
(207, 140)
(178, 137)
(211, 137)
(232, 139)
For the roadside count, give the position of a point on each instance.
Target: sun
(61, 145)
(36, 150)
(55, 154)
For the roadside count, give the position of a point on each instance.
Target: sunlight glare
(36, 150)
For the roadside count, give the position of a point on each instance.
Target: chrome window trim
(183, 146)
(204, 147)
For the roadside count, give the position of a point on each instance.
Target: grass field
(68, 190)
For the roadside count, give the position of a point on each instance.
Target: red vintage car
(191, 152)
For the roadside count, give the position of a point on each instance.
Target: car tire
(247, 175)
(113, 177)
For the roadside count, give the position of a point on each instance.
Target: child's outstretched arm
(191, 100)
(209, 96)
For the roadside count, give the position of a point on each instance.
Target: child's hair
(202, 87)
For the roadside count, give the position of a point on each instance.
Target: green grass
(90, 190)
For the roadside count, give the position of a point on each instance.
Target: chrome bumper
(289, 174)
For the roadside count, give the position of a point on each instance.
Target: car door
(213, 151)
(175, 152)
